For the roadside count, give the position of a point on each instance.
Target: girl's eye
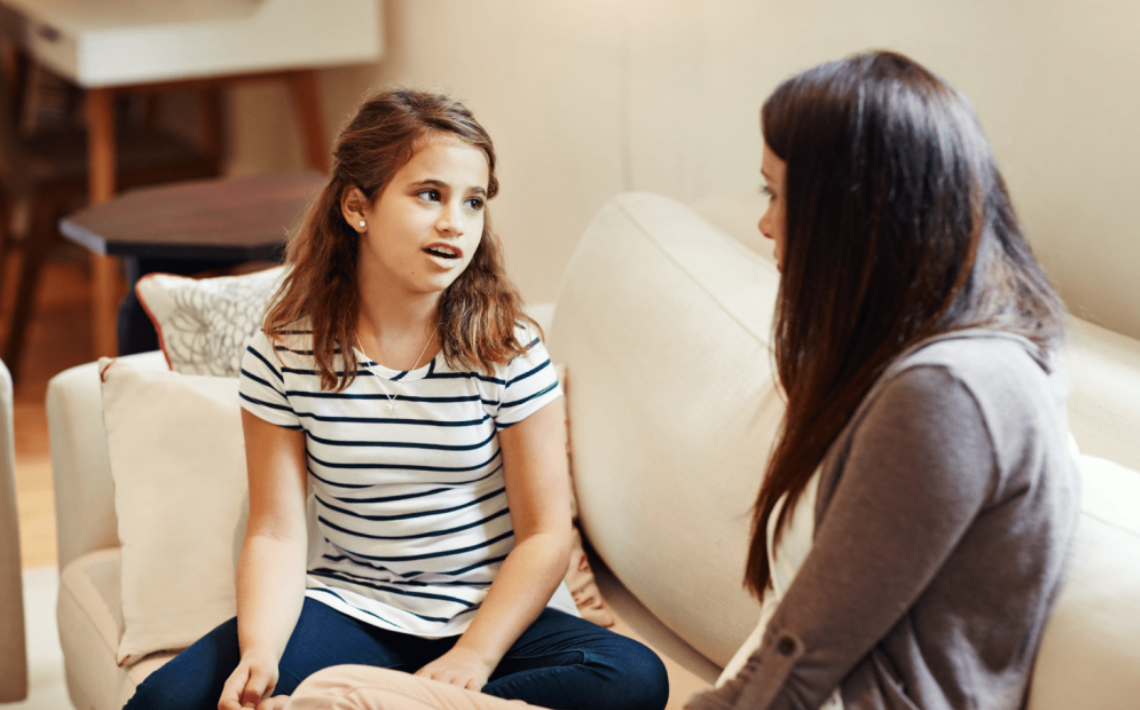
(428, 195)
(475, 203)
(767, 192)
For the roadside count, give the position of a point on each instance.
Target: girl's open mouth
(443, 251)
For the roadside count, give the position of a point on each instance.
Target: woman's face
(425, 226)
(772, 222)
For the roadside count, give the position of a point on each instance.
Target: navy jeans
(560, 662)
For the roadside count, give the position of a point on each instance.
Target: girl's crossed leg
(560, 661)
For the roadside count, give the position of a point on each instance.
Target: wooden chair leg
(307, 103)
(41, 235)
(5, 241)
(212, 124)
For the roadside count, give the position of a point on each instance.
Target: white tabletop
(98, 43)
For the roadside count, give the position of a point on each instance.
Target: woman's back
(956, 480)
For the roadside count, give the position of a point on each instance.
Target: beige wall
(591, 97)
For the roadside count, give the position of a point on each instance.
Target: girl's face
(425, 226)
(774, 219)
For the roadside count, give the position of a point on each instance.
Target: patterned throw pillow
(204, 324)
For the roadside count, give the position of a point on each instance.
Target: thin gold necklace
(380, 379)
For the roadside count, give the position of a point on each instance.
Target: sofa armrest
(13, 649)
(81, 466)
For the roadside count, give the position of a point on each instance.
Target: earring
(362, 225)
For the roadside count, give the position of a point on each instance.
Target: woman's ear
(354, 207)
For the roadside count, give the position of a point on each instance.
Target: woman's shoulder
(1003, 380)
(984, 361)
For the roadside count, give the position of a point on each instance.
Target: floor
(47, 688)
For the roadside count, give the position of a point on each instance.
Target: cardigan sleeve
(919, 467)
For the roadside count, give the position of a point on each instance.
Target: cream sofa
(663, 320)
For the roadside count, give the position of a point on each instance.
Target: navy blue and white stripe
(411, 508)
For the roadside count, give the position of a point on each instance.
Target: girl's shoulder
(533, 354)
(527, 334)
(291, 345)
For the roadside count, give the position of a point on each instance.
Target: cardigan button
(786, 646)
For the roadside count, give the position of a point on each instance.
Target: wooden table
(113, 47)
(236, 219)
(213, 221)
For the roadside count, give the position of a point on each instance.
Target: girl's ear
(354, 207)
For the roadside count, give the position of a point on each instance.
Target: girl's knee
(159, 696)
(639, 677)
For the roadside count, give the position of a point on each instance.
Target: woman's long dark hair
(477, 313)
(899, 227)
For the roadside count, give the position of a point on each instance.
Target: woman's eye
(428, 195)
(767, 192)
(475, 203)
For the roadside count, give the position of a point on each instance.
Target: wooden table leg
(101, 171)
(307, 104)
(211, 123)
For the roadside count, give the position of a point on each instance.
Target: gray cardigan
(943, 524)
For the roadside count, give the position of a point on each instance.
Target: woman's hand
(253, 679)
(459, 666)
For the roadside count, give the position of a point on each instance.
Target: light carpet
(47, 689)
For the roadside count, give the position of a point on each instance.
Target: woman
(398, 380)
(921, 495)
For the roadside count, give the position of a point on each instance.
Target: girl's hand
(253, 679)
(459, 666)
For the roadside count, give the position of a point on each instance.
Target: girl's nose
(450, 220)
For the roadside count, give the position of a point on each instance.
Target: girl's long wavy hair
(899, 227)
(477, 313)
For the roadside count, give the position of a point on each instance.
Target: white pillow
(204, 324)
(178, 462)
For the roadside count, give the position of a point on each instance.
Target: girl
(922, 477)
(398, 381)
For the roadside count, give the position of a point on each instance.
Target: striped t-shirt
(411, 508)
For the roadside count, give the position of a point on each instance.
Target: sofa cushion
(1089, 654)
(669, 450)
(178, 461)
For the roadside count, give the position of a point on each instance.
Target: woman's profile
(913, 526)
(398, 381)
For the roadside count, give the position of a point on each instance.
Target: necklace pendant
(391, 409)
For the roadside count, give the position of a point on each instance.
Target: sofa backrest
(1103, 366)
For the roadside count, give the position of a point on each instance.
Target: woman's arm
(271, 573)
(920, 467)
(538, 492)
